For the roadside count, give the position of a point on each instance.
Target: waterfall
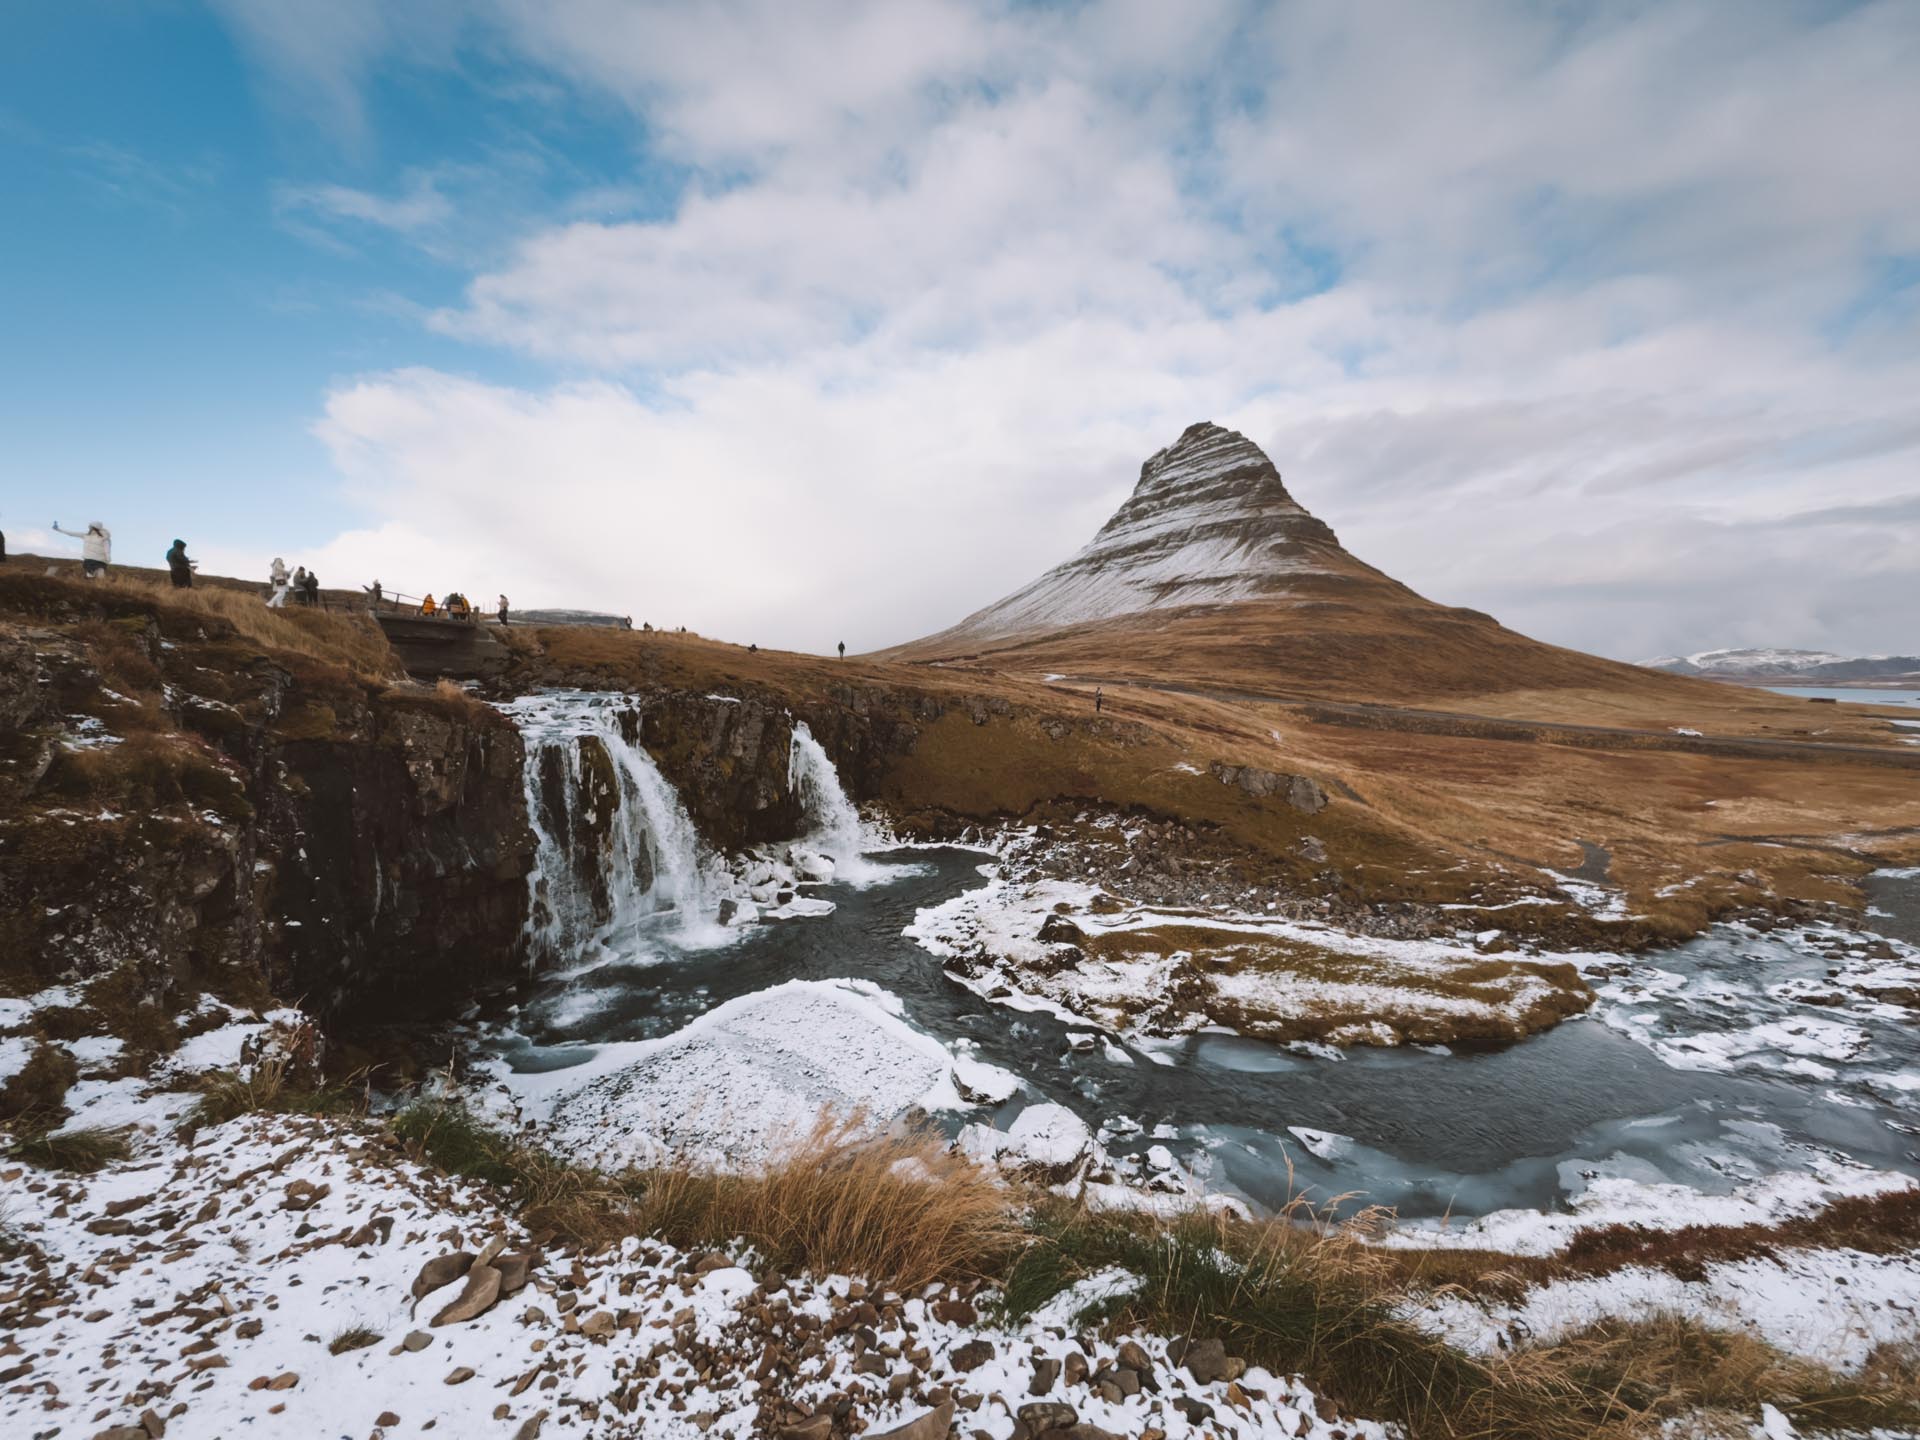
(833, 825)
(614, 846)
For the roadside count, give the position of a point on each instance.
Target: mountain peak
(1208, 523)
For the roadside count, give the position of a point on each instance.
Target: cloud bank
(1603, 320)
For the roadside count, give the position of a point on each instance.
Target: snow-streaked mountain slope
(1209, 523)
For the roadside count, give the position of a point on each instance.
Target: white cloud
(1565, 314)
(419, 207)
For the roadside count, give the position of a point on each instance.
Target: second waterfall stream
(619, 866)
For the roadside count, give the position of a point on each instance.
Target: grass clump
(81, 1152)
(278, 1083)
(898, 1209)
(1307, 1299)
(354, 1337)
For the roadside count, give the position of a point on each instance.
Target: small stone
(1134, 1356)
(530, 1427)
(1076, 1368)
(1046, 1371)
(416, 1341)
(598, 1326)
(386, 1418)
(817, 1426)
(1206, 1360)
(284, 1381)
(476, 1298)
(442, 1270)
(932, 1425)
(971, 1356)
(459, 1375)
(1047, 1415)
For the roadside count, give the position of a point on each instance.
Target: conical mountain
(1212, 575)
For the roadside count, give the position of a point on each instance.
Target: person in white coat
(96, 547)
(277, 584)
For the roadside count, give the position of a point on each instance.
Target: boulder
(476, 1298)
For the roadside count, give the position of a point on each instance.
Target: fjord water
(1462, 1133)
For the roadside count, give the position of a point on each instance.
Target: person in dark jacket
(313, 588)
(179, 566)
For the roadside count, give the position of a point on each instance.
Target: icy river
(1740, 1058)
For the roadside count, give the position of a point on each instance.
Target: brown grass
(902, 1208)
(353, 642)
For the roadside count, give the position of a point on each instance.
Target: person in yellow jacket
(427, 607)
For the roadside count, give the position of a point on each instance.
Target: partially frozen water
(1742, 1055)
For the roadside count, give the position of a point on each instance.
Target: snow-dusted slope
(1208, 523)
(1789, 664)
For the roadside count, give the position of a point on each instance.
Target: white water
(651, 863)
(833, 824)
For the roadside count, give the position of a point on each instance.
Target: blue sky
(801, 323)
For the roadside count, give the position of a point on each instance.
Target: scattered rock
(442, 1270)
(1206, 1360)
(460, 1375)
(1046, 1372)
(1047, 1415)
(932, 1425)
(476, 1298)
(971, 1356)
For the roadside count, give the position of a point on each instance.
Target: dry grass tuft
(354, 1337)
(80, 1152)
(902, 1208)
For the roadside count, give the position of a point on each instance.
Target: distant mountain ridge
(1774, 663)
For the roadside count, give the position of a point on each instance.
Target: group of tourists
(302, 587)
(455, 606)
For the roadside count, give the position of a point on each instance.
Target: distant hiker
(3, 547)
(503, 609)
(1098, 699)
(313, 588)
(299, 586)
(277, 584)
(753, 649)
(96, 547)
(456, 606)
(374, 594)
(427, 606)
(843, 649)
(179, 566)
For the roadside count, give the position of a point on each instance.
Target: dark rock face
(244, 830)
(1302, 792)
(402, 860)
(729, 759)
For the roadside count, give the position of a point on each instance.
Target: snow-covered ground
(991, 938)
(203, 1290)
(750, 1077)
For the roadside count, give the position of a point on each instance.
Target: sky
(799, 323)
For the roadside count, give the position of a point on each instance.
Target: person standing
(179, 566)
(313, 588)
(299, 585)
(96, 547)
(503, 609)
(375, 593)
(1098, 699)
(843, 649)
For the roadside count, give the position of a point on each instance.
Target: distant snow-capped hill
(1768, 662)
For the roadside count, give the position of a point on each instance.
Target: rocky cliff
(183, 811)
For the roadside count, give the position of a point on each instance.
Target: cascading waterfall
(833, 824)
(614, 846)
